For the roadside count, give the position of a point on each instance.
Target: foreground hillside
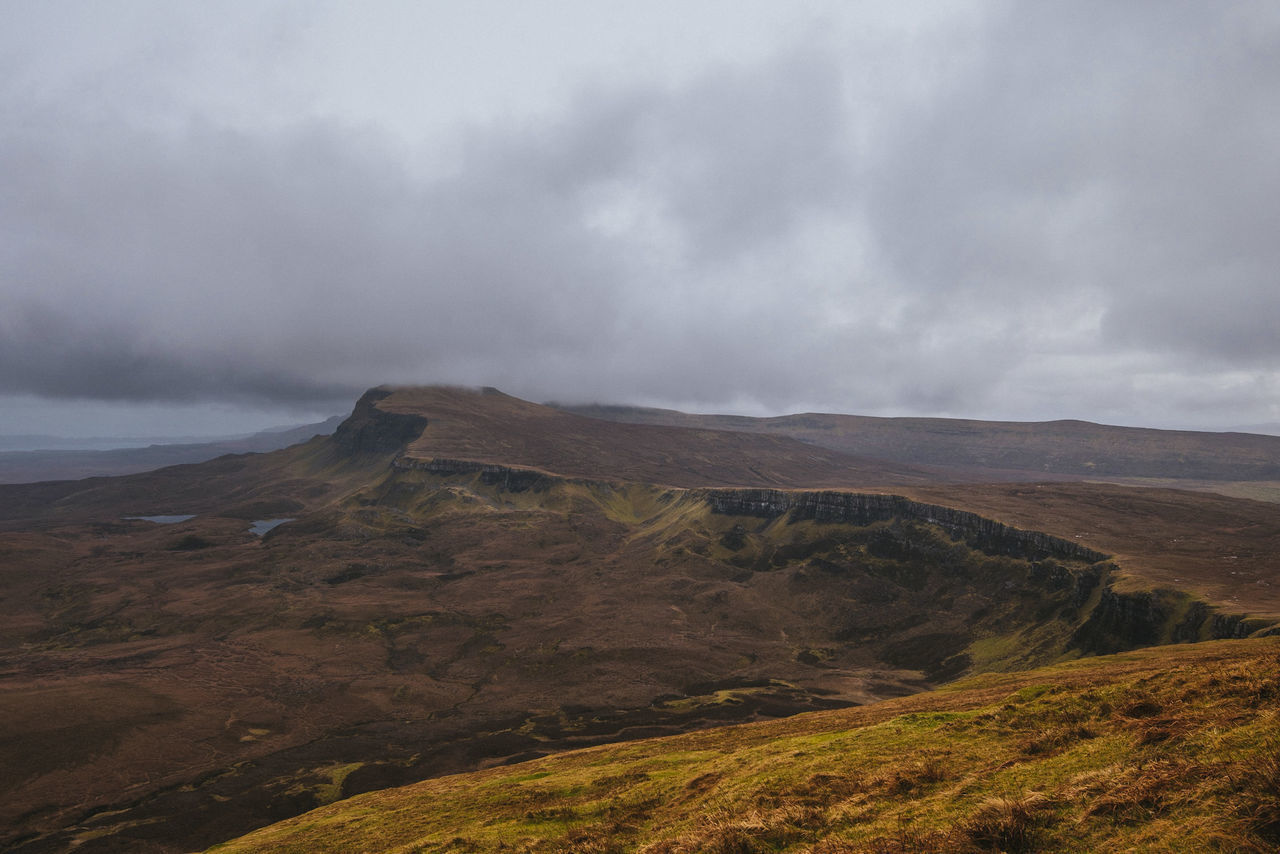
(1170, 749)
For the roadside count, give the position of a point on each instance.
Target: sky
(223, 216)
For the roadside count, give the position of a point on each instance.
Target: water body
(162, 520)
(261, 526)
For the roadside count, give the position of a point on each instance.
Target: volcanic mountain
(468, 579)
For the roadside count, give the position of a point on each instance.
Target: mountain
(53, 463)
(489, 426)
(468, 579)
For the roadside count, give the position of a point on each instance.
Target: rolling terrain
(468, 579)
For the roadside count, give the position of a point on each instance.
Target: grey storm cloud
(1081, 201)
(151, 265)
(1114, 153)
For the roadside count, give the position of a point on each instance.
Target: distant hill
(1003, 449)
(48, 442)
(55, 463)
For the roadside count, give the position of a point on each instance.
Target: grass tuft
(1010, 824)
(1259, 803)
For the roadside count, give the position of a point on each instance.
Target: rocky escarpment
(506, 477)
(1116, 621)
(1134, 619)
(369, 430)
(858, 508)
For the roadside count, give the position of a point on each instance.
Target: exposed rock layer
(864, 508)
(371, 430)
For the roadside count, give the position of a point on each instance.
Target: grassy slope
(1169, 749)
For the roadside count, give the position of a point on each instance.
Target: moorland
(469, 582)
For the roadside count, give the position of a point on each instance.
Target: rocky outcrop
(505, 477)
(1116, 622)
(857, 508)
(369, 430)
(1123, 621)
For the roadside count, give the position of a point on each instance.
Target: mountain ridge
(489, 426)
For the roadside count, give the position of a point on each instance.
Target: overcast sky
(227, 215)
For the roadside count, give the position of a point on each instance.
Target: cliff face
(1117, 621)
(505, 477)
(856, 508)
(1123, 621)
(369, 430)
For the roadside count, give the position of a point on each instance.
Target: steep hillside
(1171, 749)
